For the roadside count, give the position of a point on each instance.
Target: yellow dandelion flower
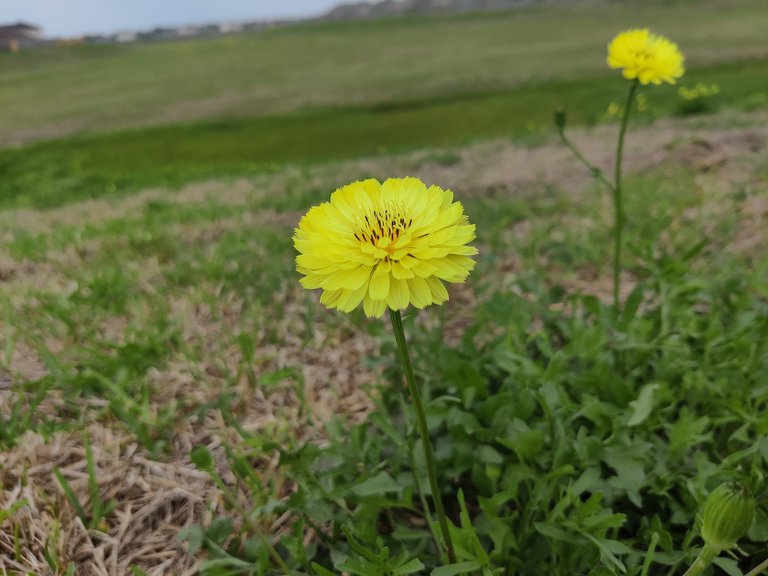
(385, 245)
(650, 58)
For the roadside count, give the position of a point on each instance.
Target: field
(252, 103)
(172, 401)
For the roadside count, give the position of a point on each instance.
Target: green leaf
(603, 521)
(556, 533)
(202, 458)
(633, 303)
(6, 513)
(602, 571)
(194, 536)
(410, 567)
(320, 571)
(758, 532)
(219, 530)
(629, 466)
(375, 485)
(643, 406)
(728, 565)
(459, 568)
(608, 550)
(70, 495)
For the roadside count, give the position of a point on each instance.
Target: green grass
(570, 433)
(77, 168)
(96, 88)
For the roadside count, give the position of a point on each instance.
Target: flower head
(650, 58)
(728, 513)
(385, 245)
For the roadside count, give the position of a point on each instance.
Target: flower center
(383, 226)
(643, 56)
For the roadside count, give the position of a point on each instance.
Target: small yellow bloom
(614, 110)
(385, 245)
(650, 58)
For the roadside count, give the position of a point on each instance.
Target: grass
(77, 168)
(97, 88)
(176, 320)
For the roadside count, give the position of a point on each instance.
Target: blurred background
(104, 98)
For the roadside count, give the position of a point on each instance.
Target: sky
(76, 17)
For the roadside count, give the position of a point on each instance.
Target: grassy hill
(97, 88)
(128, 117)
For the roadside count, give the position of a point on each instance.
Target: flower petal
(378, 289)
(398, 294)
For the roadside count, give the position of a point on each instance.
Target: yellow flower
(650, 58)
(385, 245)
(614, 110)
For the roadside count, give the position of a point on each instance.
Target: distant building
(126, 36)
(14, 37)
(158, 34)
(230, 27)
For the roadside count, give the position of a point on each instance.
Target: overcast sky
(74, 17)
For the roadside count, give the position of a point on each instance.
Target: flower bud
(728, 513)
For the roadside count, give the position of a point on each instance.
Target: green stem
(593, 170)
(703, 560)
(759, 569)
(618, 208)
(649, 554)
(423, 498)
(421, 418)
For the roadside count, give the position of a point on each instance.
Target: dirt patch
(752, 235)
(298, 374)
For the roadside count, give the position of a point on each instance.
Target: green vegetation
(168, 391)
(53, 173)
(299, 94)
(574, 436)
(96, 88)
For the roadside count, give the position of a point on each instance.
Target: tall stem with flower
(645, 59)
(421, 420)
(388, 246)
(619, 217)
